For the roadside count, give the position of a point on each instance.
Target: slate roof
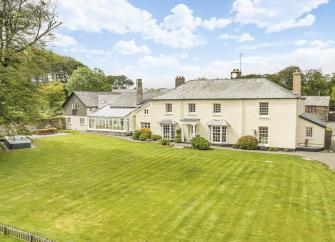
(90, 99)
(118, 98)
(322, 101)
(108, 112)
(127, 99)
(313, 119)
(251, 88)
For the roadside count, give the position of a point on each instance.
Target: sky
(157, 40)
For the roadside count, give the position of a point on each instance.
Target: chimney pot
(297, 83)
(236, 73)
(180, 80)
(139, 91)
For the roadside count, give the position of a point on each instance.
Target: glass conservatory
(110, 119)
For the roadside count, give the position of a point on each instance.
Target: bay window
(218, 134)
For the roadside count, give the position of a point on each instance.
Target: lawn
(96, 188)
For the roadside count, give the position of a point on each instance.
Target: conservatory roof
(110, 112)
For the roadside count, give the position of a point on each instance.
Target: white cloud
(244, 37)
(215, 23)
(181, 17)
(167, 67)
(314, 43)
(177, 30)
(274, 15)
(158, 61)
(131, 48)
(64, 40)
(300, 42)
(263, 45)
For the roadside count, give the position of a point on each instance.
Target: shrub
(146, 133)
(45, 131)
(274, 149)
(178, 136)
(136, 134)
(199, 143)
(142, 137)
(156, 137)
(165, 142)
(248, 142)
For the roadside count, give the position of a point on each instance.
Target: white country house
(220, 110)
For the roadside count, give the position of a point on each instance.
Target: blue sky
(159, 40)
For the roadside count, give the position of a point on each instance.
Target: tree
(19, 99)
(316, 84)
(25, 24)
(85, 79)
(51, 98)
(120, 82)
(284, 77)
(51, 66)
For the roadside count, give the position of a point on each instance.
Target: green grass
(96, 188)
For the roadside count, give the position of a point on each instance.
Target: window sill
(192, 114)
(168, 113)
(264, 117)
(217, 114)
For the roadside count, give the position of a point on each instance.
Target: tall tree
(120, 82)
(19, 99)
(25, 24)
(85, 79)
(284, 77)
(316, 84)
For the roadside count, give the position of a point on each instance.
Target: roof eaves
(321, 123)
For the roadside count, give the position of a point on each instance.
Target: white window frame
(264, 109)
(168, 131)
(309, 132)
(192, 108)
(217, 108)
(68, 120)
(75, 106)
(261, 133)
(168, 107)
(145, 125)
(82, 121)
(220, 133)
(146, 111)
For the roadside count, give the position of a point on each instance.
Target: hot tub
(17, 142)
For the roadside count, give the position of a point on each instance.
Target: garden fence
(21, 234)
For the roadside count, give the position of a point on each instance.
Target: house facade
(224, 110)
(220, 110)
(106, 112)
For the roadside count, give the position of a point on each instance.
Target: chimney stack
(139, 91)
(180, 80)
(297, 83)
(236, 73)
